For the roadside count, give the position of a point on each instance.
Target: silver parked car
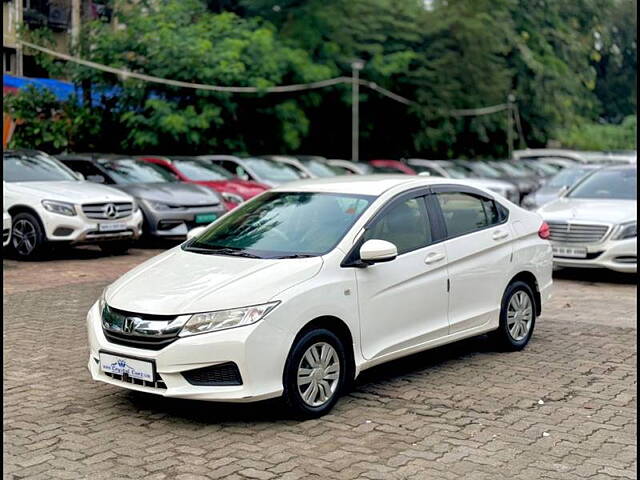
(557, 185)
(594, 224)
(170, 207)
(256, 169)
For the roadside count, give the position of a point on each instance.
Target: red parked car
(234, 191)
(392, 166)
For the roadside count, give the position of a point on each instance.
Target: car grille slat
(577, 233)
(98, 211)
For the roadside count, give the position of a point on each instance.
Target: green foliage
(596, 136)
(568, 64)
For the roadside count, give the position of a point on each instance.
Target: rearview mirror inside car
(375, 251)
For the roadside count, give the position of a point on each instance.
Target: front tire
(27, 236)
(517, 317)
(315, 373)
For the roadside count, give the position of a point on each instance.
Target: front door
(403, 303)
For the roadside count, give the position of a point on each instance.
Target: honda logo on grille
(130, 324)
(110, 210)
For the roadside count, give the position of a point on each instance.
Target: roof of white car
(363, 184)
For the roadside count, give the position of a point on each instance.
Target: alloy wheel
(318, 374)
(519, 315)
(24, 237)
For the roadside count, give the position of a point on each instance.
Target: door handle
(434, 257)
(499, 235)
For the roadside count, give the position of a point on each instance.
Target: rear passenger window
(466, 213)
(406, 225)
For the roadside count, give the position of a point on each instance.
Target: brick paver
(563, 408)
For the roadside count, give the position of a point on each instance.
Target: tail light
(544, 232)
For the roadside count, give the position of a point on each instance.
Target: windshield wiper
(237, 252)
(296, 255)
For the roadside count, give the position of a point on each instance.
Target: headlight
(101, 301)
(224, 319)
(626, 230)
(61, 208)
(159, 205)
(232, 198)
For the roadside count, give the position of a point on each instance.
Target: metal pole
(355, 100)
(356, 66)
(510, 100)
(18, 23)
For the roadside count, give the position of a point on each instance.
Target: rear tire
(314, 374)
(517, 317)
(28, 240)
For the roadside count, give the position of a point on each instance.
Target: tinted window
(201, 170)
(275, 171)
(406, 225)
(134, 171)
(283, 224)
(616, 184)
(465, 213)
(37, 167)
(89, 170)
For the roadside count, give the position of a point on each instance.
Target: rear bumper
(617, 255)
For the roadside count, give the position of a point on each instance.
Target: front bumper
(258, 350)
(80, 229)
(176, 223)
(617, 255)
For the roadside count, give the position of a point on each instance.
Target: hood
(172, 193)
(72, 191)
(596, 210)
(178, 282)
(246, 189)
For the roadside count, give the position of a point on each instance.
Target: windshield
(201, 170)
(617, 184)
(510, 169)
(275, 171)
(318, 168)
(283, 225)
(456, 171)
(485, 170)
(36, 167)
(127, 170)
(542, 168)
(568, 177)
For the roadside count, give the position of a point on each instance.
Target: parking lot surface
(563, 408)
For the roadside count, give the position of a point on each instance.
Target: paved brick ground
(462, 411)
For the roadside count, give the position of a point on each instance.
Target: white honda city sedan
(297, 291)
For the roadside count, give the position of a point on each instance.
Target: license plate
(572, 252)
(206, 217)
(120, 365)
(112, 227)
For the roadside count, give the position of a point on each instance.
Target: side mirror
(194, 232)
(78, 175)
(95, 178)
(375, 251)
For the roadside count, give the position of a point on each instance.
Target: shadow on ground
(595, 275)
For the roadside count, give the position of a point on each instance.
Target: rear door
(479, 252)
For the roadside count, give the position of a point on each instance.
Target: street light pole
(510, 99)
(356, 66)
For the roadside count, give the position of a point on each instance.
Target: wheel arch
(341, 330)
(530, 279)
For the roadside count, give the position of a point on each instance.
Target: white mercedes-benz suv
(49, 204)
(298, 290)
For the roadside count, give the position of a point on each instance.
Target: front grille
(101, 211)
(577, 232)
(135, 381)
(113, 326)
(223, 374)
(626, 259)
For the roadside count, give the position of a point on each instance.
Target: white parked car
(300, 289)
(595, 223)
(6, 228)
(49, 204)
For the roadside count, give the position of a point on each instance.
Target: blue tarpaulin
(62, 90)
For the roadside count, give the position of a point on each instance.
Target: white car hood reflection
(180, 282)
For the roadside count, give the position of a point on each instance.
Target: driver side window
(406, 225)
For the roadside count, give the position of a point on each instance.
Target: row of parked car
(112, 200)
